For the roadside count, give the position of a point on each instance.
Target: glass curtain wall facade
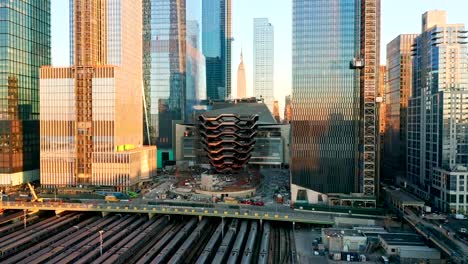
(164, 68)
(196, 66)
(437, 115)
(217, 39)
(335, 84)
(24, 48)
(287, 110)
(264, 54)
(398, 91)
(325, 95)
(91, 130)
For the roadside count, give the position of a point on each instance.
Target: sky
(398, 17)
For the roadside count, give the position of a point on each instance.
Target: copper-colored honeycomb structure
(228, 140)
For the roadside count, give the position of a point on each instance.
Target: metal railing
(300, 217)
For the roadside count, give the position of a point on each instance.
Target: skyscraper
(241, 89)
(276, 114)
(24, 47)
(264, 54)
(164, 70)
(91, 126)
(437, 114)
(196, 67)
(335, 78)
(399, 79)
(287, 109)
(217, 40)
(382, 108)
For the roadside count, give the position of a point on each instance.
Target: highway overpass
(226, 211)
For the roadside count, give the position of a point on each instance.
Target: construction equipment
(34, 195)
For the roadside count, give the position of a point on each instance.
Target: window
(453, 198)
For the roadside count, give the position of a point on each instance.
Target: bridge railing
(181, 210)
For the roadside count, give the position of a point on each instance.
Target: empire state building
(241, 89)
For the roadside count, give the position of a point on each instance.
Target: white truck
(427, 209)
(459, 216)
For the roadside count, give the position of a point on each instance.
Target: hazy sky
(398, 16)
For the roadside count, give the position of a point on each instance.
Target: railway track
(133, 238)
(282, 248)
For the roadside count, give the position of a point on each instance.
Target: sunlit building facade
(276, 114)
(334, 128)
(264, 59)
(398, 91)
(196, 67)
(241, 85)
(24, 48)
(437, 115)
(91, 130)
(287, 109)
(217, 41)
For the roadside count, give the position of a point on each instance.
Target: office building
(164, 70)
(241, 86)
(276, 114)
(335, 78)
(217, 41)
(437, 114)
(24, 48)
(287, 109)
(380, 95)
(264, 57)
(381, 110)
(91, 130)
(196, 74)
(398, 91)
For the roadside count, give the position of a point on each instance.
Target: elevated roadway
(224, 211)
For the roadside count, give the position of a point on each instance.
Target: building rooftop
(404, 197)
(402, 239)
(338, 232)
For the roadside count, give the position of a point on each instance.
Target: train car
(264, 244)
(210, 249)
(236, 251)
(247, 257)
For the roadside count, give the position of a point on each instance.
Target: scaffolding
(90, 23)
(369, 78)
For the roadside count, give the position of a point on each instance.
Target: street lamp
(100, 238)
(24, 218)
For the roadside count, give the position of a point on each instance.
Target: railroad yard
(73, 237)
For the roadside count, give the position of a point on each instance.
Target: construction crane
(34, 195)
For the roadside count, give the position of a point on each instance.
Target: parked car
(248, 202)
(259, 203)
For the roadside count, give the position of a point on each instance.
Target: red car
(259, 203)
(248, 202)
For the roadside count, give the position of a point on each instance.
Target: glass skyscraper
(24, 48)
(164, 69)
(264, 56)
(398, 91)
(437, 139)
(91, 126)
(335, 69)
(196, 67)
(216, 31)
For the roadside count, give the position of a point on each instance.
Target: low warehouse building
(343, 240)
(409, 247)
